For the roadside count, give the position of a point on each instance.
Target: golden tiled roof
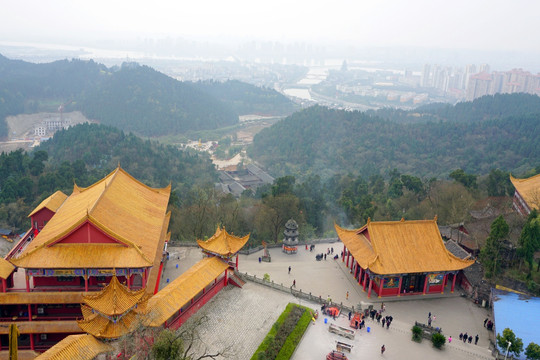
(529, 189)
(42, 327)
(69, 256)
(102, 327)
(67, 297)
(398, 247)
(6, 268)
(52, 203)
(114, 299)
(76, 347)
(179, 292)
(223, 243)
(118, 205)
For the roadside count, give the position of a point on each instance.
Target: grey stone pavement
(241, 318)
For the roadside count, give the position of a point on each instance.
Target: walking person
(470, 339)
(450, 339)
(383, 322)
(294, 283)
(347, 295)
(383, 349)
(429, 321)
(289, 269)
(476, 339)
(485, 321)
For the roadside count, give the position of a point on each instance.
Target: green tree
(491, 252)
(532, 351)
(468, 180)
(283, 185)
(498, 183)
(529, 240)
(438, 340)
(168, 346)
(508, 336)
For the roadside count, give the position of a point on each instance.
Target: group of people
(468, 338)
(488, 324)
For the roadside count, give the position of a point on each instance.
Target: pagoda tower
(290, 241)
(113, 311)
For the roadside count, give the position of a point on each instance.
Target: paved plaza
(241, 318)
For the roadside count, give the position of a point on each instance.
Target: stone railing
(308, 296)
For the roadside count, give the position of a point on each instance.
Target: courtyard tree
(509, 340)
(529, 240)
(532, 352)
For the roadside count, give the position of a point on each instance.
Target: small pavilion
(224, 245)
(395, 258)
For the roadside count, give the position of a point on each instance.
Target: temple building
(527, 195)
(115, 229)
(396, 258)
(91, 264)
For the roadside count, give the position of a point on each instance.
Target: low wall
(297, 293)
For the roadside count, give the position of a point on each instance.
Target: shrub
(417, 333)
(438, 340)
(266, 277)
(285, 334)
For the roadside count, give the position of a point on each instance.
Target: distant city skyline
(476, 25)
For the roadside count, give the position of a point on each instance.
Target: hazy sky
(462, 24)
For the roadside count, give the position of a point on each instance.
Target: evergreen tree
(491, 252)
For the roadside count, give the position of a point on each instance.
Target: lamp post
(507, 348)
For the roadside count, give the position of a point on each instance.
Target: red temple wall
(41, 217)
(53, 281)
(87, 233)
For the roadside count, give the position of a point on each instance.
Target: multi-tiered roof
(113, 311)
(131, 216)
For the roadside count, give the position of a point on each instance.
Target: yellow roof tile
(223, 243)
(76, 347)
(175, 295)
(399, 247)
(114, 299)
(52, 203)
(6, 268)
(529, 189)
(118, 205)
(102, 327)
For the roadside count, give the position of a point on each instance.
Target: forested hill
(131, 97)
(248, 99)
(323, 141)
(140, 99)
(486, 107)
(104, 147)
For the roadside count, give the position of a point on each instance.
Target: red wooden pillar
(144, 277)
(360, 273)
(128, 279)
(370, 286)
(27, 283)
(425, 284)
(29, 312)
(4, 285)
(352, 262)
(236, 261)
(86, 280)
(343, 253)
(365, 281)
(225, 278)
(453, 283)
(443, 283)
(348, 254)
(32, 346)
(399, 286)
(381, 287)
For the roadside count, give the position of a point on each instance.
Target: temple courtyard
(239, 319)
